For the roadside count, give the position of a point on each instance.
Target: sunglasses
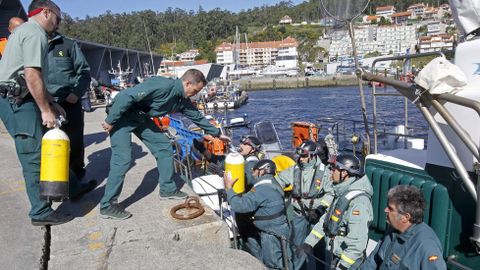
(245, 140)
(58, 16)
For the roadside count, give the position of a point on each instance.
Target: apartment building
(401, 17)
(436, 43)
(385, 11)
(436, 28)
(417, 9)
(369, 38)
(259, 54)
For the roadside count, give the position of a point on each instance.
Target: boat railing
(375, 94)
(183, 167)
(344, 129)
(424, 100)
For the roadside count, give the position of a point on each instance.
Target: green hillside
(177, 30)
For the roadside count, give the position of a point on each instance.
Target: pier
(150, 239)
(262, 83)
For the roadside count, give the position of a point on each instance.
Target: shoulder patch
(252, 189)
(432, 258)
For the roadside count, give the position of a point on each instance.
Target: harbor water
(284, 106)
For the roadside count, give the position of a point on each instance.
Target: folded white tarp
(440, 76)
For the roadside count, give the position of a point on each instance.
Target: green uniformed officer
(131, 112)
(345, 225)
(68, 79)
(408, 243)
(265, 201)
(25, 114)
(312, 192)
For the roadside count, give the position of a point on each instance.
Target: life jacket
(3, 44)
(335, 221)
(315, 191)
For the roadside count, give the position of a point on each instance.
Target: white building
(224, 53)
(387, 39)
(417, 9)
(436, 43)
(259, 54)
(385, 11)
(436, 28)
(396, 38)
(286, 20)
(287, 54)
(401, 17)
(188, 55)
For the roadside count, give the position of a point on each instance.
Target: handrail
(374, 96)
(422, 101)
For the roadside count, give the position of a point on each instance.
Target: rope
(47, 240)
(192, 206)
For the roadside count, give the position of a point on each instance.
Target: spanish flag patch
(355, 212)
(433, 258)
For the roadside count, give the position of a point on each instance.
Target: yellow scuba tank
(235, 165)
(54, 166)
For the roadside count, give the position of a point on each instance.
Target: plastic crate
(185, 138)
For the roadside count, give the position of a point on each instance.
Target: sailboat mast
(148, 44)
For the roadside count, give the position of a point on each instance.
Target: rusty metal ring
(189, 204)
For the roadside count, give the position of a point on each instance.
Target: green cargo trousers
(24, 124)
(136, 122)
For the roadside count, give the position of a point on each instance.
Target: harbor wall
(251, 84)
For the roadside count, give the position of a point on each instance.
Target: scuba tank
(235, 165)
(54, 166)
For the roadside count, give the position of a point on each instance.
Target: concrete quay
(263, 83)
(150, 239)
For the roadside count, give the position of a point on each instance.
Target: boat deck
(151, 239)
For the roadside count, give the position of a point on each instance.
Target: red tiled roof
(372, 17)
(384, 8)
(184, 63)
(401, 14)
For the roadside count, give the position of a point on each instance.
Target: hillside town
(420, 28)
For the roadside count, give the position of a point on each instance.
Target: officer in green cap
(345, 225)
(25, 105)
(131, 112)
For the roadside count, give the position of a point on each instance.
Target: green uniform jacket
(68, 70)
(266, 198)
(356, 219)
(311, 184)
(416, 248)
(158, 96)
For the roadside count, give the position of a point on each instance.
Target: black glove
(314, 215)
(303, 249)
